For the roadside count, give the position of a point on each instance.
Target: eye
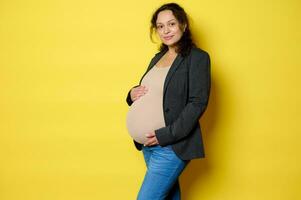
(172, 24)
(159, 26)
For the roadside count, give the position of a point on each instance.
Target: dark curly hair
(185, 44)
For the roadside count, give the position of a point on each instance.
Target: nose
(166, 29)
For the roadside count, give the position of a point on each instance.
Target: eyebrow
(167, 21)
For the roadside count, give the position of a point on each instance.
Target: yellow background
(66, 67)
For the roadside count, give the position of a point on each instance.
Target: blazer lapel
(157, 57)
(170, 72)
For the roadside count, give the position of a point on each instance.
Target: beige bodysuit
(146, 113)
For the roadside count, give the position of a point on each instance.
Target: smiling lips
(168, 38)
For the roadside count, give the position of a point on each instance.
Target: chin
(169, 43)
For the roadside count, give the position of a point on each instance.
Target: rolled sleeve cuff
(164, 136)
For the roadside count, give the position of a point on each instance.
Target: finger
(151, 141)
(148, 142)
(136, 97)
(136, 90)
(141, 93)
(141, 89)
(138, 93)
(154, 143)
(149, 135)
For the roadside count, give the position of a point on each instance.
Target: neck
(171, 50)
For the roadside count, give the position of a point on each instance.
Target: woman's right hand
(137, 92)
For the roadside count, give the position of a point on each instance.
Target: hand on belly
(151, 139)
(138, 92)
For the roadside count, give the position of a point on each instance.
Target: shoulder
(197, 53)
(199, 58)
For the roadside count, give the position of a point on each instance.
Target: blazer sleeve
(128, 98)
(198, 91)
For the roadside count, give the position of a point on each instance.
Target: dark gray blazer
(185, 98)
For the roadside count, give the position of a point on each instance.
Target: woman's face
(168, 28)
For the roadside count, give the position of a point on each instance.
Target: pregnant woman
(165, 108)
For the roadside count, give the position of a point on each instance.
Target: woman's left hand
(151, 139)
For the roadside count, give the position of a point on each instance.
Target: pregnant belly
(144, 116)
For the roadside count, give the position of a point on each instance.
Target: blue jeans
(161, 178)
